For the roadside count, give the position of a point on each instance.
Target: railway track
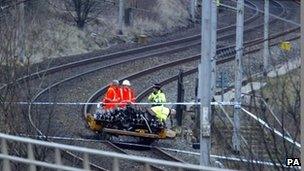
(144, 93)
(253, 150)
(119, 147)
(161, 48)
(96, 59)
(229, 57)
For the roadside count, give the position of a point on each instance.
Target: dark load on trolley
(131, 121)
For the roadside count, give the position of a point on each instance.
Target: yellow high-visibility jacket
(157, 97)
(161, 112)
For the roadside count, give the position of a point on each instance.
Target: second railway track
(75, 64)
(159, 48)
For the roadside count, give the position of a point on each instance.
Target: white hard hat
(173, 112)
(115, 82)
(126, 82)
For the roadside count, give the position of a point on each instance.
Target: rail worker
(112, 96)
(127, 93)
(161, 112)
(157, 96)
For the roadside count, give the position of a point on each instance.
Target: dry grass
(286, 85)
(172, 13)
(169, 14)
(58, 35)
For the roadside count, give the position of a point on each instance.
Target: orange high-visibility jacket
(112, 96)
(128, 95)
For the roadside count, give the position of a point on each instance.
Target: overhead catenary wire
(272, 15)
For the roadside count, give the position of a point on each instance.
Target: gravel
(69, 120)
(181, 142)
(224, 20)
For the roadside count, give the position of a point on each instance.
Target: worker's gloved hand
(98, 106)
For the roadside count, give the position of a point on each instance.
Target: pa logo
(293, 162)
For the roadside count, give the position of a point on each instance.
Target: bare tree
(14, 117)
(81, 10)
(278, 105)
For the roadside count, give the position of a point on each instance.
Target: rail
(33, 163)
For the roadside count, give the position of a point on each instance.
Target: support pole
(238, 75)
(180, 98)
(192, 9)
(266, 36)
(120, 17)
(213, 46)
(222, 86)
(205, 84)
(21, 33)
(302, 73)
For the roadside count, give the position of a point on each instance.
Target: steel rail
(221, 52)
(163, 66)
(279, 17)
(160, 151)
(120, 150)
(124, 53)
(74, 64)
(87, 61)
(142, 146)
(282, 13)
(194, 70)
(230, 48)
(6, 137)
(166, 51)
(59, 83)
(174, 78)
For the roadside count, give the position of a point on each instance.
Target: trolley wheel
(105, 136)
(146, 141)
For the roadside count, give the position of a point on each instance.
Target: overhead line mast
(205, 83)
(238, 75)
